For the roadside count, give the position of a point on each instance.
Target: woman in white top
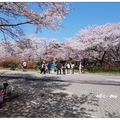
(80, 68)
(68, 68)
(72, 67)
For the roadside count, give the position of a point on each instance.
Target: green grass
(110, 72)
(105, 72)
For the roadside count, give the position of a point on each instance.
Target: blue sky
(85, 14)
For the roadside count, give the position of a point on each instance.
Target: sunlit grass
(105, 72)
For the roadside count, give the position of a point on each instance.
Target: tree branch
(16, 24)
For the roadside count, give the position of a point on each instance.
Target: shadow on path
(48, 78)
(38, 99)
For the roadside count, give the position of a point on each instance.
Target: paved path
(72, 77)
(98, 95)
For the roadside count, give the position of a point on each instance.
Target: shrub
(10, 61)
(30, 64)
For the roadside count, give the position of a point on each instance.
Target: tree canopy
(15, 14)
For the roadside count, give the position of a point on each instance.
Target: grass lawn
(106, 72)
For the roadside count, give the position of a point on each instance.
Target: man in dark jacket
(58, 68)
(49, 67)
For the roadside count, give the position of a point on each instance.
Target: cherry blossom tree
(16, 14)
(36, 48)
(69, 49)
(98, 41)
(45, 48)
(4, 53)
(72, 49)
(95, 43)
(9, 49)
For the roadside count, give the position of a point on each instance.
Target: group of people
(60, 68)
(65, 67)
(47, 68)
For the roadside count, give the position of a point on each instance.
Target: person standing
(68, 68)
(52, 67)
(49, 67)
(63, 68)
(80, 68)
(24, 65)
(72, 67)
(58, 68)
(43, 68)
